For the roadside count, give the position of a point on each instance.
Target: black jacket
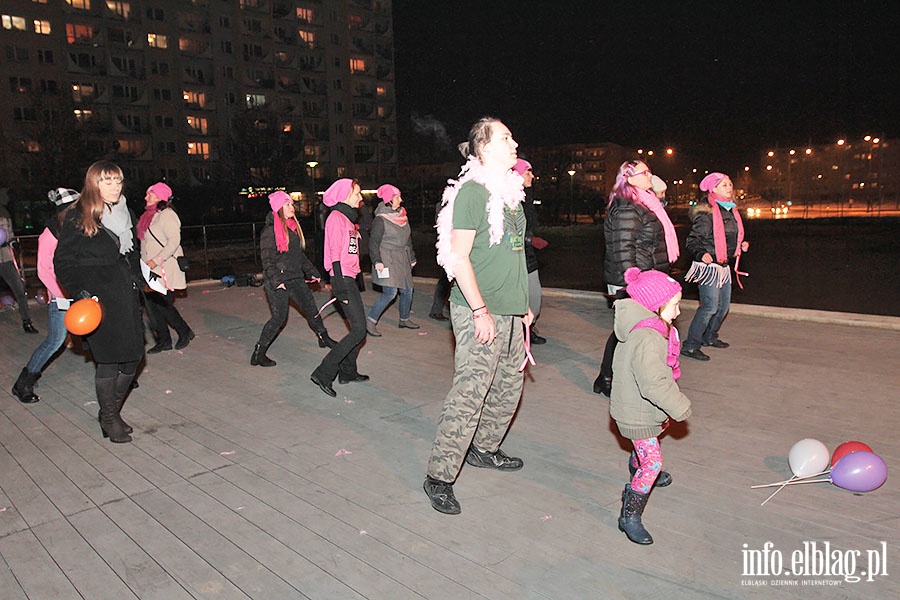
(700, 240)
(279, 267)
(634, 238)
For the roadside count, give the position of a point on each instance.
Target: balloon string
(772, 495)
(325, 305)
(528, 356)
(765, 485)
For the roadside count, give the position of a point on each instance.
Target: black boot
(662, 480)
(603, 384)
(537, 339)
(325, 340)
(23, 389)
(633, 505)
(123, 387)
(28, 326)
(259, 358)
(110, 425)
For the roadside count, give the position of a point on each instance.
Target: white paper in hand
(154, 282)
(384, 273)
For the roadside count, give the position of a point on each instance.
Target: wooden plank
(35, 571)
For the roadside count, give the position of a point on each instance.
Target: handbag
(183, 263)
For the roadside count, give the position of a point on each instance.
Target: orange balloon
(83, 316)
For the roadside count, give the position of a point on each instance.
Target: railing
(213, 250)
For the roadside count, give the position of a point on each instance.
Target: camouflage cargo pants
(487, 387)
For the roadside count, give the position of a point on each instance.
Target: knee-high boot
(633, 505)
(110, 424)
(123, 387)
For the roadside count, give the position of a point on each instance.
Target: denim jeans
(388, 294)
(714, 305)
(56, 335)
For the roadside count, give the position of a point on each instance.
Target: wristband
(484, 314)
(475, 310)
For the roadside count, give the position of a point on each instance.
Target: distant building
(848, 174)
(195, 91)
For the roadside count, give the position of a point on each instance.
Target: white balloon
(808, 457)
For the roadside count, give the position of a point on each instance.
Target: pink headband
(711, 181)
(160, 190)
(337, 191)
(521, 166)
(387, 192)
(278, 199)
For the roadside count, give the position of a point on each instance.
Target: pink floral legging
(647, 458)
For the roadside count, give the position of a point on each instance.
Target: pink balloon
(859, 472)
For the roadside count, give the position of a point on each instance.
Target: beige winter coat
(167, 227)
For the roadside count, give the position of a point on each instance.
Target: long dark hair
(91, 204)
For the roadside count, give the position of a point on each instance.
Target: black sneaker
(718, 344)
(441, 495)
(536, 339)
(695, 354)
(493, 460)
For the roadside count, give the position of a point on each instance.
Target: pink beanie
(521, 166)
(337, 191)
(711, 181)
(651, 289)
(160, 190)
(278, 199)
(387, 192)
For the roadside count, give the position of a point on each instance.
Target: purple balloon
(859, 472)
(6, 299)
(2, 236)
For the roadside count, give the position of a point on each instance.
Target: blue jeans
(388, 294)
(56, 335)
(714, 305)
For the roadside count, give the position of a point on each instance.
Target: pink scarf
(719, 228)
(671, 334)
(398, 218)
(281, 239)
(143, 223)
(650, 200)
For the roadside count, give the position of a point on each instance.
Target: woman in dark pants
(342, 260)
(286, 270)
(638, 234)
(96, 239)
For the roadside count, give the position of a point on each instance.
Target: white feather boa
(504, 189)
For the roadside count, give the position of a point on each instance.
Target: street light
(571, 192)
(312, 171)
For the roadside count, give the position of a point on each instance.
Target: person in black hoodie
(286, 270)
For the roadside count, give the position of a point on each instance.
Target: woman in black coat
(286, 270)
(96, 258)
(638, 234)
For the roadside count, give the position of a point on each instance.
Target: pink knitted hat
(711, 181)
(337, 191)
(521, 166)
(278, 199)
(651, 289)
(387, 192)
(160, 190)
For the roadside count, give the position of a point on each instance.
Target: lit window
(82, 91)
(286, 128)
(380, 90)
(355, 21)
(82, 4)
(32, 146)
(305, 14)
(197, 123)
(357, 65)
(76, 32)
(123, 9)
(255, 100)
(308, 36)
(42, 27)
(194, 98)
(361, 130)
(156, 40)
(198, 149)
(11, 22)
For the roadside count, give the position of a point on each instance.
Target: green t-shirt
(499, 269)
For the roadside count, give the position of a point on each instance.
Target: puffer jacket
(644, 392)
(634, 238)
(279, 267)
(700, 240)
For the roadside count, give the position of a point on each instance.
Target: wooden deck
(244, 482)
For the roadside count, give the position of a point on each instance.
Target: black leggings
(611, 343)
(342, 358)
(110, 370)
(279, 303)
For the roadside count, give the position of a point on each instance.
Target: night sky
(718, 81)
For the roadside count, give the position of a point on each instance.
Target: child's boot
(630, 518)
